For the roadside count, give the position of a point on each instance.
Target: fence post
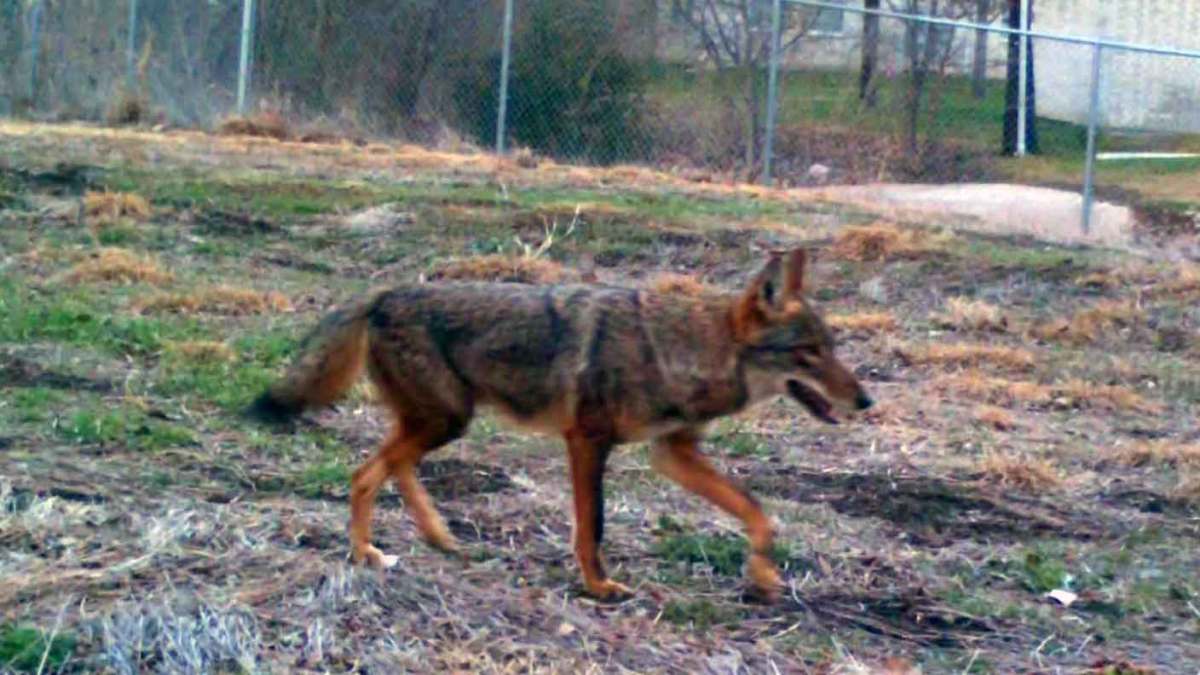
(1089, 171)
(244, 62)
(35, 48)
(772, 92)
(502, 104)
(131, 45)
(1023, 80)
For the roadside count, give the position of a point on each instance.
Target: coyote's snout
(599, 366)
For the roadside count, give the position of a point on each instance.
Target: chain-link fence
(792, 91)
(941, 91)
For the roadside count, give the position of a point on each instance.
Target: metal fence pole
(1023, 79)
(1089, 171)
(35, 48)
(772, 91)
(244, 62)
(505, 55)
(131, 45)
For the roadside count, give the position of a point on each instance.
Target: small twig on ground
(974, 655)
(1037, 653)
(53, 636)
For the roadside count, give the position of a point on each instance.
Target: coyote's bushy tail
(330, 360)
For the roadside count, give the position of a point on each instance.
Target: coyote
(598, 365)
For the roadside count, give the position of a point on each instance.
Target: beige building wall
(1139, 91)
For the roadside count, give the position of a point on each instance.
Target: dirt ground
(1045, 214)
(1024, 498)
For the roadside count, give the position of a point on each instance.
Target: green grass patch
(123, 426)
(26, 649)
(269, 196)
(79, 318)
(830, 98)
(724, 554)
(120, 234)
(700, 614)
(735, 441)
(270, 347)
(35, 404)
(323, 478)
(277, 197)
(231, 386)
(1043, 572)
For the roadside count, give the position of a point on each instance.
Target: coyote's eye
(808, 356)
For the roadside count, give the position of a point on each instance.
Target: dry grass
(1126, 276)
(515, 269)
(965, 314)
(525, 158)
(1103, 396)
(1178, 279)
(863, 322)
(216, 300)
(969, 355)
(670, 283)
(1090, 324)
(1069, 394)
(1020, 472)
(1161, 452)
(128, 107)
(996, 390)
(120, 265)
(1188, 489)
(202, 351)
(572, 210)
(882, 241)
(884, 413)
(107, 207)
(1104, 280)
(994, 417)
(266, 124)
(1185, 280)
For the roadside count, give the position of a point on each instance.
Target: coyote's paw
(764, 576)
(374, 558)
(607, 589)
(443, 541)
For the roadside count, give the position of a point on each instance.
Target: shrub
(572, 94)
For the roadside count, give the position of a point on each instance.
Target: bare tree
(735, 35)
(12, 18)
(928, 49)
(870, 55)
(983, 14)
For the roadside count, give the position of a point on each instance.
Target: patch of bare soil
(907, 614)
(932, 512)
(1149, 501)
(995, 208)
(18, 372)
(454, 478)
(220, 222)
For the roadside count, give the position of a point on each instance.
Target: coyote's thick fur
(599, 366)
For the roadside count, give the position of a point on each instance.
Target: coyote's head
(786, 346)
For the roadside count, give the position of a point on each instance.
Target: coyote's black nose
(863, 401)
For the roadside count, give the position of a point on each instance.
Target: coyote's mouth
(818, 405)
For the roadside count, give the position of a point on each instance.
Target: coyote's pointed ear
(779, 283)
(795, 262)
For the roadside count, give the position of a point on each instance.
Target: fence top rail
(968, 25)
